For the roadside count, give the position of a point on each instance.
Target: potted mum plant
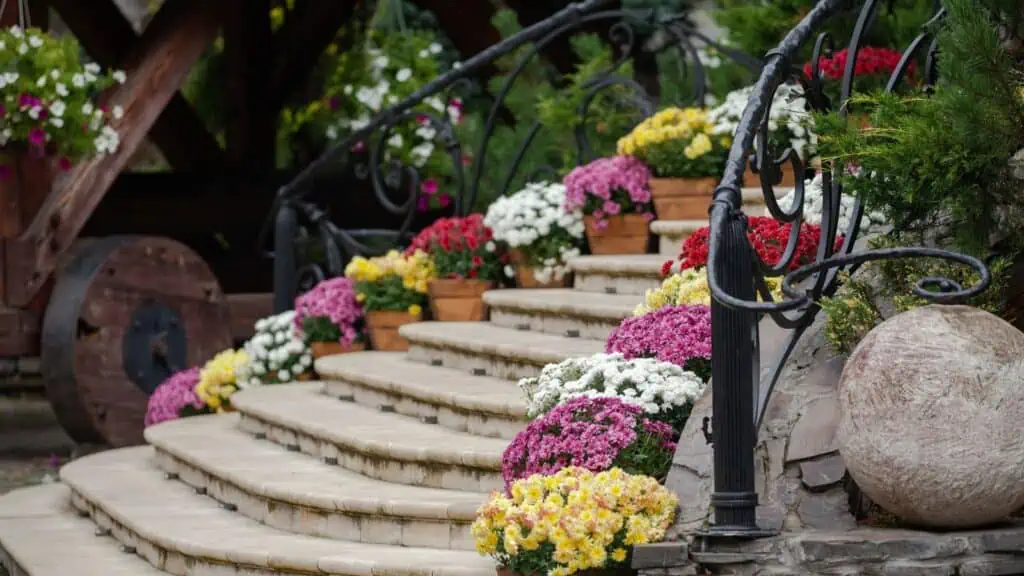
(615, 198)
(218, 379)
(466, 262)
(663, 390)
(392, 289)
(684, 157)
(49, 107)
(331, 317)
(541, 234)
(175, 398)
(680, 335)
(277, 353)
(790, 126)
(536, 529)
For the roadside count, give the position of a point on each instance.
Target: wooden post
(251, 130)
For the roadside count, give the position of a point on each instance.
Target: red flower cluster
(871, 61)
(767, 235)
(452, 235)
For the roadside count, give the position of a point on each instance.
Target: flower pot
(383, 328)
(458, 299)
(624, 234)
(502, 571)
(751, 180)
(25, 183)
(525, 277)
(321, 349)
(682, 198)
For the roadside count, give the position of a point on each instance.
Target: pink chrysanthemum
(172, 395)
(334, 299)
(673, 334)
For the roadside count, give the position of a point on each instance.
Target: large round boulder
(932, 417)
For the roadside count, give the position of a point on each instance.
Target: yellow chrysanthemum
(690, 287)
(217, 379)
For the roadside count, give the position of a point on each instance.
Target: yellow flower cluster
(687, 288)
(671, 124)
(415, 269)
(217, 379)
(590, 519)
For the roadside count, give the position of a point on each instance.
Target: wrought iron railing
(737, 276)
(295, 220)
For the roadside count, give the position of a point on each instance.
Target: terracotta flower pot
(751, 180)
(682, 198)
(383, 328)
(321, 349)
(625, 234)
(458, 299)
(502, 571)
(525, 277)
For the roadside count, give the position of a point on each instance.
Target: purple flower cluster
(334, 299)
(671, 334)
(609, 186)
(172, 395)
(592, 433)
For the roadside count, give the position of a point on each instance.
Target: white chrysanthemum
(537, 212)
(789, 114)
(654, 385)
(277, 351)
(814, 203)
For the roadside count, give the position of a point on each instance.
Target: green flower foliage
(944, 157)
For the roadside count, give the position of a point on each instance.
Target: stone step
(183, 533)
(479, 405)
(382, 445)
(621, 274)
(561, 311)
(672, 233)
(487, 349)
(295, 493)
(41, 535)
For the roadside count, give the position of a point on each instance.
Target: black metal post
(286, 226)
(732, 379)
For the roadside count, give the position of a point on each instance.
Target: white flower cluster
(654, 385)
(814, 205)
(54, 88)
(277, 352)
(381, 91)
(534, 213)
(789, 113)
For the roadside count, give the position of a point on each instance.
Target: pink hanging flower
(37, 137)
(64, 163)
(429, 186)
(172, 396)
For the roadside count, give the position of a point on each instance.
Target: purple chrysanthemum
(173, 394)
(673, 334)
(592, 433)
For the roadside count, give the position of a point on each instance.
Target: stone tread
(302, 407)
(392, 372)
(676, 227)
(42, 534)
(564, 301)
(216, 446)
(124, 485)
(642, 265)
(486, 339)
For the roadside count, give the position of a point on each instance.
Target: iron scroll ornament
(736, 275)
(292, 210)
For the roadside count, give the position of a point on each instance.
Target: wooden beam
(108, 37)
(156, 68)
(251, 113)
(306, 33)
(38, 14)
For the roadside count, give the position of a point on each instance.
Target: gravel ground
(32, 444)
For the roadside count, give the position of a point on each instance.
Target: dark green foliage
(943, 158)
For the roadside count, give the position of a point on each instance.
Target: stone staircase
(377, 470)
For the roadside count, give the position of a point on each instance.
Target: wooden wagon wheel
(125, 313)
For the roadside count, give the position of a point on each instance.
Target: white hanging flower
(23, 48)
(62, 90)
(35, 41)
(403, 74)
(78, 81)
(396, 141)
(58, 108)
(434, 48)
(119, 76)
(92, 68)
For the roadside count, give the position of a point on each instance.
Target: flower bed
(664, 391)
(573, 521)
(535, 222)
(680, 335)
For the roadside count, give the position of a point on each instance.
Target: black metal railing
(736, 275)
(295, 221)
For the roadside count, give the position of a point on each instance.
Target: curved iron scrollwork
(736, 275)
(396, 187)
